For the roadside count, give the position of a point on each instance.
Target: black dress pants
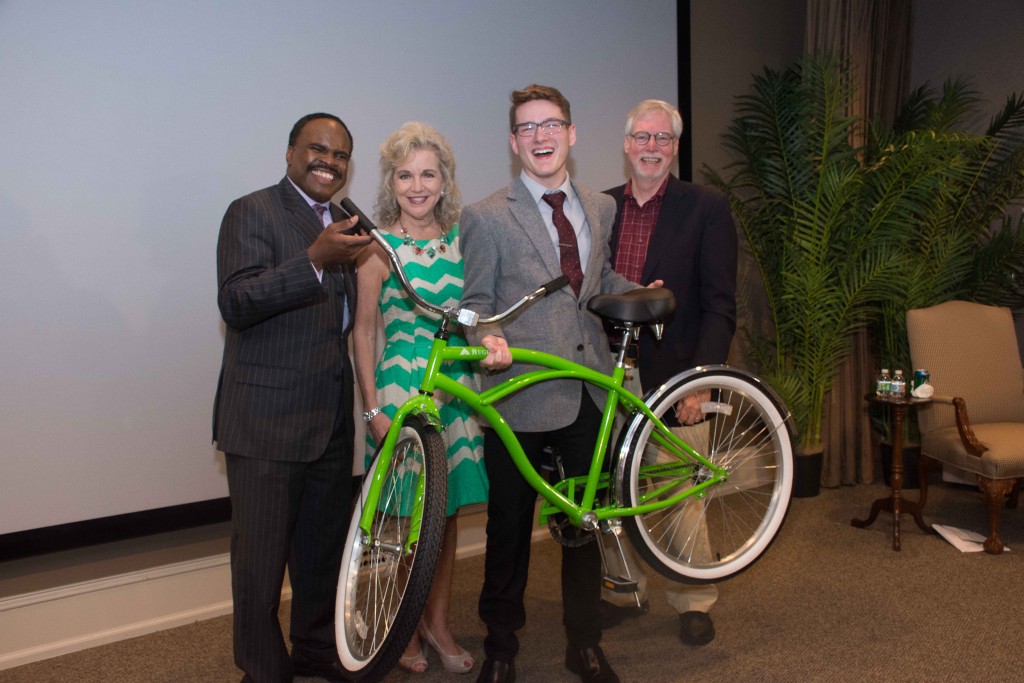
(294, 514)
(510, 523)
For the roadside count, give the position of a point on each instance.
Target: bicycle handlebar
(466, 317)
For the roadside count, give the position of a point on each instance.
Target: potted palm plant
(825, 229)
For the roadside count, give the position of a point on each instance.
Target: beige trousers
(621, 560)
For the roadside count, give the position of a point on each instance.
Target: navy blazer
(694, 250)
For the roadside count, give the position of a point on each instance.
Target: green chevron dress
(409, 332)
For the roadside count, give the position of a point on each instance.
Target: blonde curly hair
(411, 137)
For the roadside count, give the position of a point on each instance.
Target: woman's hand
(379, 426)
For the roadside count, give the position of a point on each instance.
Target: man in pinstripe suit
(283, 411)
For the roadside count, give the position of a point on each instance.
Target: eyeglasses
(643, 137)
(527, 129)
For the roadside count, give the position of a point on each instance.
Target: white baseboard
(77, 616)
(53, 622)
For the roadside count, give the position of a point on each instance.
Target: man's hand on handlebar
(498, 355)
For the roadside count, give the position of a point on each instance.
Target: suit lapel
(300, 216)
(592, 274)
(665, 230)
(618, 194)
(526, 213)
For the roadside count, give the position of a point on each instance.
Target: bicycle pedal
(618, 584)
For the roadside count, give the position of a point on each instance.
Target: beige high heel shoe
(417, 663)
(459, 663)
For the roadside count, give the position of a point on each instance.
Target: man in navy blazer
(684, 235)
(283, 411)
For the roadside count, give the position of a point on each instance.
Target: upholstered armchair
(976, 422)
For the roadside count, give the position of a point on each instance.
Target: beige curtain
(873, 37)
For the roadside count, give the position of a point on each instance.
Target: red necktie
(320, 211)
(569, 253)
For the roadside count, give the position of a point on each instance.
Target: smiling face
(651, 162)
(418, 185)
(544, 157)
(318, 161)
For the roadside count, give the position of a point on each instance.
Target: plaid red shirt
(635, 233)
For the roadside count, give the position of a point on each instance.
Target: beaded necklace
(442, 242)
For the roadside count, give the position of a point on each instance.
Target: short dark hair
(301, 123)
(537, 92)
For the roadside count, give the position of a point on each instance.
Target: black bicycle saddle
(644, 305)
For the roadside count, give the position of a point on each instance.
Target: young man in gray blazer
(283, 412)
(684, 235)
(517, 239)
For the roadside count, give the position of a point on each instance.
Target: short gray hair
(653, 106)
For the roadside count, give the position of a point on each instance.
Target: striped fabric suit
(283, 417)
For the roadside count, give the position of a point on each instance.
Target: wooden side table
(896, 503)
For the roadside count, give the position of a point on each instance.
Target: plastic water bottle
(898, 388)
(884, 384)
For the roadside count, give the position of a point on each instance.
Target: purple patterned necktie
(320, 211)
(569, 253)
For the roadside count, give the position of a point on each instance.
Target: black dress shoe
(613, 615)
(494, 671)
(695, 628)
(331, 670)
(590, 665)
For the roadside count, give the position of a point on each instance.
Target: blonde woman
(417, 207)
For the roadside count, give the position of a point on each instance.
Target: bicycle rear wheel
(720, 533)
(385, 578)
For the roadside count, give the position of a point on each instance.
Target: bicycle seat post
(630, 333)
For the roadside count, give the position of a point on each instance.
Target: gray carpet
(828, 602)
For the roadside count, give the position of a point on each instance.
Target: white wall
(127, 127)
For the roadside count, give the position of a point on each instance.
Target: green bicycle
(697, 511)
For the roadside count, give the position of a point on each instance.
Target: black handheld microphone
(555, 285)
(364, 225)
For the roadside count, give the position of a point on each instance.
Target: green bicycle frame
(552, 367)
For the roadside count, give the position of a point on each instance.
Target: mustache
(327, 167)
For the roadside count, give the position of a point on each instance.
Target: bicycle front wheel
(719, 533)
(385, 577)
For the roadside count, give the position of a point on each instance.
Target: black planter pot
(806, 475)
(911, 480)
